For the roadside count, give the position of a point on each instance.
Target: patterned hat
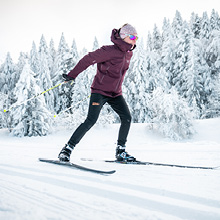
(127, 29)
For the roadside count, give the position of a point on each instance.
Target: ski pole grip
(67, 78)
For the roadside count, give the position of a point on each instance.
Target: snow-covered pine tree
(63, 63)
(95, 44)
(64, 54)
(82, 89)
(166, 30)
(182, 51)
(3, 115)
(8, 79)
(134, 86)
(43, 46)
(156, 40)
(31, 118)
(195, 25)
(212, 54)
(45, 82)
(77, 93)
(155, 76)
(74, 52)
(177, 24)
(214, 20)
(52, 57)
(48, 53)
(213, 102)
(34, 60)
(149, 42)
(218, 21)
(193, 87)
(168, 56)
(205, 29)
(176, 38)
(172, 116)
(212, 76)
(20, 65)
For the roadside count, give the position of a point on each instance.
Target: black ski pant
(97, 101)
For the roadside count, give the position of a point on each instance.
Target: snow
(33, 190)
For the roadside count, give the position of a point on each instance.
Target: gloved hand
(67, 78)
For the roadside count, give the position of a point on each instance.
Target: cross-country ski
(162, 164)
(76, 166)
(137, 162)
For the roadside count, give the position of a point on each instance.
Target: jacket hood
(122, 45)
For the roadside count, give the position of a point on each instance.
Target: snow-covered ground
(38, 191)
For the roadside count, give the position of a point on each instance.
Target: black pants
(97, 101)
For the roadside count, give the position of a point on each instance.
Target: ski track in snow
(33, 190)
(122, 195)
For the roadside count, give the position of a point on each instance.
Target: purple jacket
(112, 64)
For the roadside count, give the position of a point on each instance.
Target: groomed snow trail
(33, 190)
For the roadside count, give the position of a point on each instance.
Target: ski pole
(13, 106)
(72, 106)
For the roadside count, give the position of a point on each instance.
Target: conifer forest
(173, 79)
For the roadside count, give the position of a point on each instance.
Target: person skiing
(112, 63)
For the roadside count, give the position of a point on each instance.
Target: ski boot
(122, 155)
(65, 153)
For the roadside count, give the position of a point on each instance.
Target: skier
(112, 64)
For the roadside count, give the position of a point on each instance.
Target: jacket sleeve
(98, 56)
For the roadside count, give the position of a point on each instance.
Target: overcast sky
(24, 21)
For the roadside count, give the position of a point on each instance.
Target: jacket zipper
(103, 74)
(121, 72)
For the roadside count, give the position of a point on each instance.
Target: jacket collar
(122, 45)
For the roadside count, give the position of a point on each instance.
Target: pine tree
(64, 63)
(149, 42)
(74, 52)
(193, 87)
(34, 60)
(172, 116)
(32, 117)
(82, 89)
(52, 57)
(45, 82)
(8, 79)
(134, 84)
(213, 102)
(212, 54)
(21, 63)
(156, 40)
(205, 29)
(177, 24)
(212, 76)
(43, 46)
(95, 44)
(43, 49)
(166, 30)
(168, 55)
(214, 19)
(3, 115)
(195, 25)
(182, 51)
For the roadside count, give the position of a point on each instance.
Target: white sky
(24, 21)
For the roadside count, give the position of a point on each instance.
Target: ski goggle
(132, 37)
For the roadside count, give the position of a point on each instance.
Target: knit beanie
(127, 29)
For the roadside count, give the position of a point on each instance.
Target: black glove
(67, 78)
